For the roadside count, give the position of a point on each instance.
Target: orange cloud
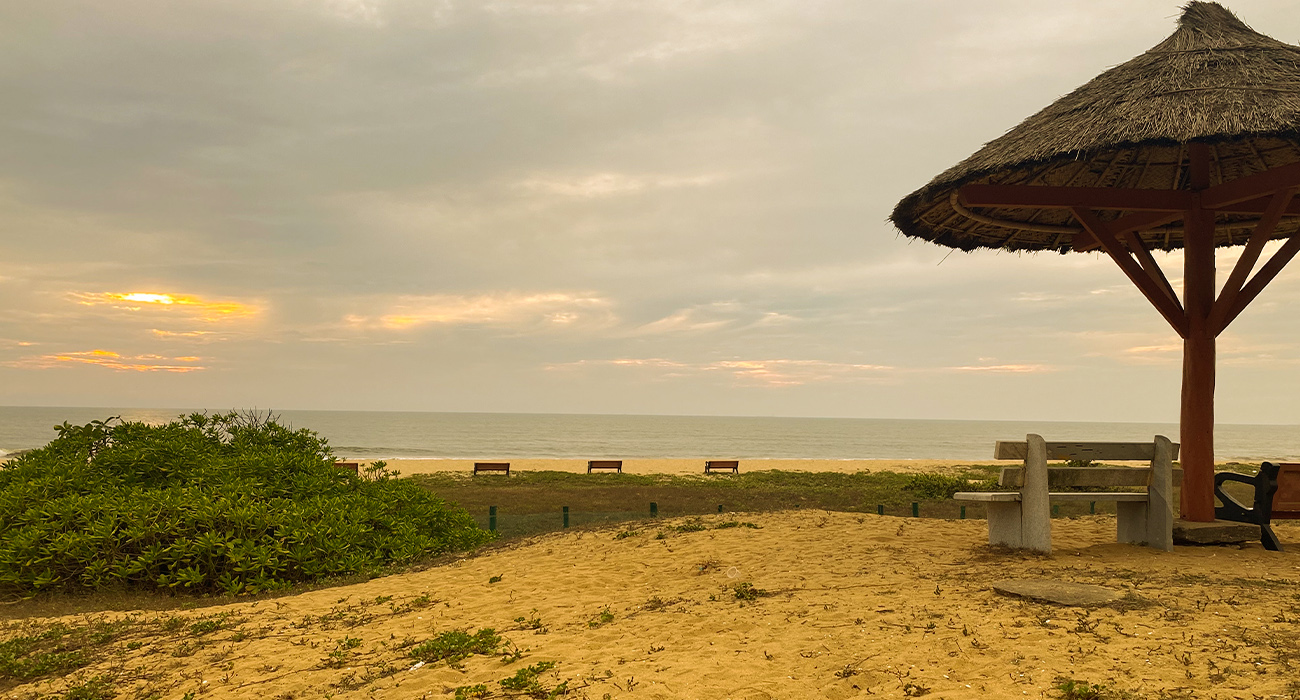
(1004, 369)
(551, 309)
(111, 360)
(776, 373)
(140, 301)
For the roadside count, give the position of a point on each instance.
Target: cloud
(512, 310)
(612, 184)
(111, 360)
(189, 306)
(1003, 369)
(767, 372)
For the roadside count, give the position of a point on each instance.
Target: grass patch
(531, 502)
(457, 645)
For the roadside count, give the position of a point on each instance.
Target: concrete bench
(1023, 518)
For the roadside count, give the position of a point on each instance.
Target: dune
(792, 604)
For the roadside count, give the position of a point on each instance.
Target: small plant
(603, 617)
(456, 645)
(1072, 689)
(529, 623)
(341, 655)
(748, 592)
(732, 523)
(526, 681)
(626, 534)
(469, 692)
(693, 525)
(97, 688)
(496, 579)
(914, 690)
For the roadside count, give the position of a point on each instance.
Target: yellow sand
(856, 606)
(692, 466)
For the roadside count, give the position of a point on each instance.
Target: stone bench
(1023, 518)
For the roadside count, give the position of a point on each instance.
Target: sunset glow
(139, 301)
(112, 360)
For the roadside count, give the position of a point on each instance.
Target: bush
(229, 502)
(943, 486)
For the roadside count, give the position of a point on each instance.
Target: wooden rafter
(1152, 269)
(1237, 280)
(1168, 308)
(1261, 279)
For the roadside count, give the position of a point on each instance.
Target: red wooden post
(1197, 420)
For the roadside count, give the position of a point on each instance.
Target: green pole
(916, 509)
(492, 518)
(654, 509)
(1056, 511)
(1092, 507)
(566, 516)
(719, 507)
(963, 512)
(880, 510)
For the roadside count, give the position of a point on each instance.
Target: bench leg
(1004, 524)
(1131, 523)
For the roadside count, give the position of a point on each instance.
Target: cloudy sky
(583, 206)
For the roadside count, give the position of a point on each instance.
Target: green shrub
(943, 486)
(456, 645)
(228, 502)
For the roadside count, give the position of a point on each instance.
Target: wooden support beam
(1140, 221)
(1145, 284)
(1251, 187)
(1044, 197)
(1258, 206)
(1261, 279)
(1152, 269)
(1263, 232)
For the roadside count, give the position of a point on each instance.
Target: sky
(567, 206)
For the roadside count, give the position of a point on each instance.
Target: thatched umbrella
(1194, 144)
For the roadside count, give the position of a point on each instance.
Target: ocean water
(357, 434)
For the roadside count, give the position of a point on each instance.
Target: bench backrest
(1122, 451)
(1094, 477)
(722, 463)
(605, 464)
(1286, 502)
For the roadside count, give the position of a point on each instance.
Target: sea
(396, 435)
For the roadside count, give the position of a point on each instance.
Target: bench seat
(1005, 496)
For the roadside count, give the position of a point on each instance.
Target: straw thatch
(1214, 80)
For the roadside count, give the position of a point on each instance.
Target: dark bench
(354, 467)
(1277, 496)
(721, 465)
(503, 467)
(615, 464)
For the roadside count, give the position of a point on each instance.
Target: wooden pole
(1197, 423)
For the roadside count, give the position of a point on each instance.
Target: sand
(695, 466)
(853, 606)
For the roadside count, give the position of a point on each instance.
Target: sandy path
(857, 606)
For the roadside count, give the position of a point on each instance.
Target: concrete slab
(1215, 532)
(1058, 592)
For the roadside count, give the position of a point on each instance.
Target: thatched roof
(1215, 80)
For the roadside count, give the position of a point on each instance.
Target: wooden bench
(721, 465)
(615, 464)
(1023, 518)
(503, 467)
(1277, 496)
(354, 467)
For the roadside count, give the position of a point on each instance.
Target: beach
(792, 604)
(410, 467)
